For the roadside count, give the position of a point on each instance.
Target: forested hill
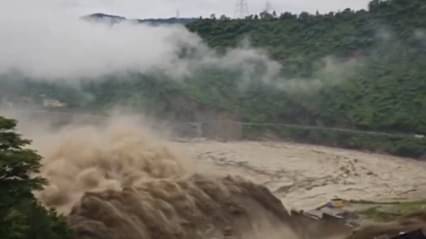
(113, 19)
(358, 70)
(387, 93)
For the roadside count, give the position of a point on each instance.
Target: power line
(241, 9)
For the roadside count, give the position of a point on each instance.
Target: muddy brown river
(306, 176)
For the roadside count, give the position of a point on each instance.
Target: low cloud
(53, 44)
(48, 41)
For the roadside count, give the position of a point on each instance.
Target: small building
(53, 103)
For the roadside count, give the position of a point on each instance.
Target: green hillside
(363, 70)
(387, 90)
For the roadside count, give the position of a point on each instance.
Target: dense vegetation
(363, 70)
(387, 92)
(21, 215)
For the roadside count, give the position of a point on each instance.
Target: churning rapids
(116, 180)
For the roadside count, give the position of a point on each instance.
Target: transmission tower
(241, 9)
(268, 6)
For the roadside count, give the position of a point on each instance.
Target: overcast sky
(194, 8)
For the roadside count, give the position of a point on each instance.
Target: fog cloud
(50, 41)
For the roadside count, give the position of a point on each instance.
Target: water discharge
(111, 156)
(115, 180)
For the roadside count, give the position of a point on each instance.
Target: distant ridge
(114, 19)
(102, 17)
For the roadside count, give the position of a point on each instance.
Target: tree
(374, 5)
(304, 16)
(16, 165)
(223, 17)
(265, 15)
(21, 216)
(249, 17)
(287, 15)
